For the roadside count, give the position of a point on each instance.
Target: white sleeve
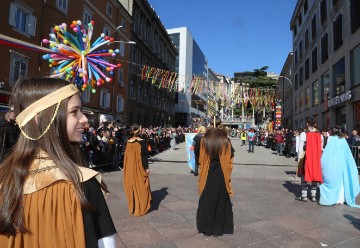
(107, 242)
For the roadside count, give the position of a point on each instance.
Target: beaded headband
(43, 103)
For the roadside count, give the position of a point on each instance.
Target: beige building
(326, 63)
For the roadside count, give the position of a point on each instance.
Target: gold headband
(43, 103)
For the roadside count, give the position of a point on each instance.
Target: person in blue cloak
(340, 174)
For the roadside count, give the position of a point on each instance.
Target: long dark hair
(135, 130)
(215, 139)
(15, 168)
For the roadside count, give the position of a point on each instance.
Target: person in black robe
(214, 214)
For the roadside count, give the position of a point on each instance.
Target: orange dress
(136, 180)
(52, 212)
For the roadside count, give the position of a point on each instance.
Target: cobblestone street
(266, 213)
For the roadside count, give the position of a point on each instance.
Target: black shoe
(192, 172)
(196, 174)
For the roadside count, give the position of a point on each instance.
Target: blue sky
(234, 35)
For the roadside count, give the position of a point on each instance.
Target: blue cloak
(338, 168)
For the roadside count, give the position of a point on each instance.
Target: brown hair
(15, 168)
(135, 130)
(215, 139)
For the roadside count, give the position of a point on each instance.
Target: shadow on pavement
(157, 197)
(354, 221)
(293, 188)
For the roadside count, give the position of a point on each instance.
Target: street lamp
(283, 96)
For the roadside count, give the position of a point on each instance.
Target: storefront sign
(344, 97)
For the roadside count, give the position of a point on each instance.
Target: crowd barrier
(356, 154)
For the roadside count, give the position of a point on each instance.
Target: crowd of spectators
(104, 146)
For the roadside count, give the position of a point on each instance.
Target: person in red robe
(310, 166)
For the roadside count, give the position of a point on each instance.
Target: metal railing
(356, 153)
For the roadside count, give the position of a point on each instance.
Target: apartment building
(326, 63)
(285, 92)
(149, 104)
(33, 20)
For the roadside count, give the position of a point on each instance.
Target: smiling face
(75, 119)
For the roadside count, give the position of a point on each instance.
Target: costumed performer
(136, 174)
(340, 174)
(309, 168)
(46, 198)
(214, 213)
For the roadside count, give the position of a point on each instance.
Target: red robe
(312, 168)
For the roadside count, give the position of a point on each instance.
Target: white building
(190, 63)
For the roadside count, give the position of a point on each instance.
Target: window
(339, 76)
(324, 48)
(300, 51)
(296, 81)
(106, 30)
(335, 2)
(123, 24)
(119, 103)
(326, 120)
(307, 97)
(132, 90)
(21, 18)
(314, 60)
(87, 17)
(325, 85)
(296, 57)
(315, 93)
(300, 19)
(306, 39)
(306, 6)
(120, 77)
(109, 9)
(296, 103)
(307, 68)
(62, 5)
(295, 30)
(104, 98)
(139, 95)
(337, 32)
(145, 96)
(301, 101)
(301, 73)
(323, 13)
(313, 28)
(122, 49)
(354, 15)
(355, 66)
(85, 95)
(18, 67)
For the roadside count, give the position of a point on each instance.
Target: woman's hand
(147, 171)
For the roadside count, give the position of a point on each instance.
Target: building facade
(191, 63)
(149, 104)
(212, 101)
(285, 92)
(326, 63)
(32, 21)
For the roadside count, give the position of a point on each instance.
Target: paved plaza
(266, 214)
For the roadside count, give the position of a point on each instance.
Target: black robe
(214, 214)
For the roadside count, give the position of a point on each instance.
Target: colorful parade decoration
(75, 59)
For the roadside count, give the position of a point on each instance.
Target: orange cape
(52, 211)
(136, 180)
(226, 162)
